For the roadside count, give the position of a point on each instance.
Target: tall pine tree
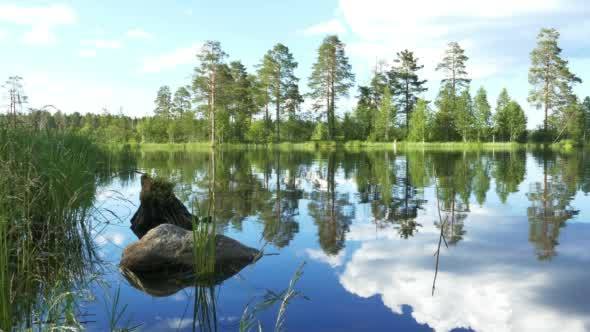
(277, 75)
(330, 79)
(454, 68)
(207, 83)
(163, 102)
(550, 76)
(482, 114)
(406, 84)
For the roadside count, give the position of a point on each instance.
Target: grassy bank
(47, 187)
(328, 145)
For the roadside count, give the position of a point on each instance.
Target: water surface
(512, 228)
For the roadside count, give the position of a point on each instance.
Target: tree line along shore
(224, 103)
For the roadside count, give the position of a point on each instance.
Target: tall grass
(204, 234)
(5, 282)
(249, 320)
(47, 186)
(204, 249)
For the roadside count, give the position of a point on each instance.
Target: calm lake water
(367, 226)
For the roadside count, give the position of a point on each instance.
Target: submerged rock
(170, 248)
(158, 206)
(162, 262)
(169, 282)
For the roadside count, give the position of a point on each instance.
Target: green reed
(47, 187)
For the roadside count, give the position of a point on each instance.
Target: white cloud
(115, 238)
(320, 256)
(138, 33)
(425, 18)
(333, 26)
(179, 56)
(41, 20)
(179, 323)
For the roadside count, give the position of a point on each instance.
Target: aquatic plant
(249, 319)
(47, 187)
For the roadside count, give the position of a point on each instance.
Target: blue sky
(86, 55)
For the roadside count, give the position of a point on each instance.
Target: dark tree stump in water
(158, 205)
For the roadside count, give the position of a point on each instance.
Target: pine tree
(455, 80)
(501, 117)
(241, 100)
(454, 68)
(163, 102)
(378, 83)
(181, 102)
(207, 83)
(277, 75)
(330, 79)
(482, 114)
(549, 76)
(364, 112)
(406, 84)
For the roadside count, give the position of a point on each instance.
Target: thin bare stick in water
(442, 234)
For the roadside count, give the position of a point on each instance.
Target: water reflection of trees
(550, 201)
(331, 211)
(453, 173)
(509, 171)
(280, 225)
(268, 186)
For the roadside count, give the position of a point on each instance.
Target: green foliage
(572, 122)
(586, 111)
(517, 121)
(320, 132)
(444, 128)
(509, 119)
(257, 132)
(419, 122)
(482, 113)
(384, 121)
(364, 114)
(464, 118)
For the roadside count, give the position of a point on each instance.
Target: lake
(385, 240)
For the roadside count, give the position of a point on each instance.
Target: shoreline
(352, 146)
